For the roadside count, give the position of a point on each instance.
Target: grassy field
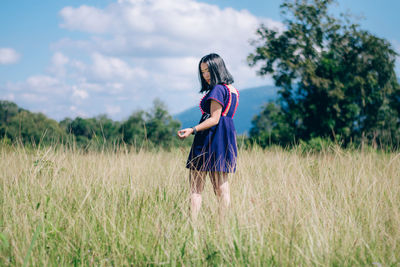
(61, 207)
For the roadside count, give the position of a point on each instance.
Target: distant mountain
(250, 103)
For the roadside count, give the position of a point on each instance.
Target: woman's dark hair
(219, 74)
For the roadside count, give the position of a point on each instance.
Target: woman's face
(205, 72)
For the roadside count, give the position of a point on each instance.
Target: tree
(32, 128)
(107, 128)
(155, 127)
(161, 128)
(96, 131)
(269, 128)
(335, 80)
(7, 111)
(133, 130)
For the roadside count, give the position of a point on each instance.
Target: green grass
(62, 207)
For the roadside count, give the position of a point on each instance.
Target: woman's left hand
(182, 134)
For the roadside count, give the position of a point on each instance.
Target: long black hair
(219, 74)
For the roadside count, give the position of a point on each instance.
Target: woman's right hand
(182, 134)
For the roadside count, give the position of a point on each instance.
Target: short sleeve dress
(215, 149)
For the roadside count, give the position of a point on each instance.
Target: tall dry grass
(63, 207)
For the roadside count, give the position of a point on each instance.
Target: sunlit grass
(62, 207)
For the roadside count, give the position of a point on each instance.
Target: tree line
(150, 129)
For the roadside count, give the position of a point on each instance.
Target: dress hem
(225, 171)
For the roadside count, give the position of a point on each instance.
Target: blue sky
(69, 58)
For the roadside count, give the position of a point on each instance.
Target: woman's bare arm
(216, 110)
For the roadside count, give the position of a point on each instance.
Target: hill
(250, 103)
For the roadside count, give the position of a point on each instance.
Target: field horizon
(70, 207)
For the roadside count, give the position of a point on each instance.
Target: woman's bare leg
(220, 184)
(197, 180)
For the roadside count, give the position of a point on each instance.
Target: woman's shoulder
(218, 93)
(225, 89)
(218, 87)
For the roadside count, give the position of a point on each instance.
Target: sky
(69, 58)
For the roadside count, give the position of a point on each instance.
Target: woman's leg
(220, 184)
(197, 180)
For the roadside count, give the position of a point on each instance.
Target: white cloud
(78, 66)
(163, 27)
(32, 97)
(86, 18)
(76, 112)
(92, 87)
(113, 110)
(115, 88)
(7, 96)
(59, 59)
(107, 68)
(37, 92)
(58, 64)
(8, 56)
(79, 93)
(163, 41)
(42, 83)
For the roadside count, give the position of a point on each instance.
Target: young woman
(214, 148)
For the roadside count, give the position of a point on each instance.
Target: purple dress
(215, 149)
